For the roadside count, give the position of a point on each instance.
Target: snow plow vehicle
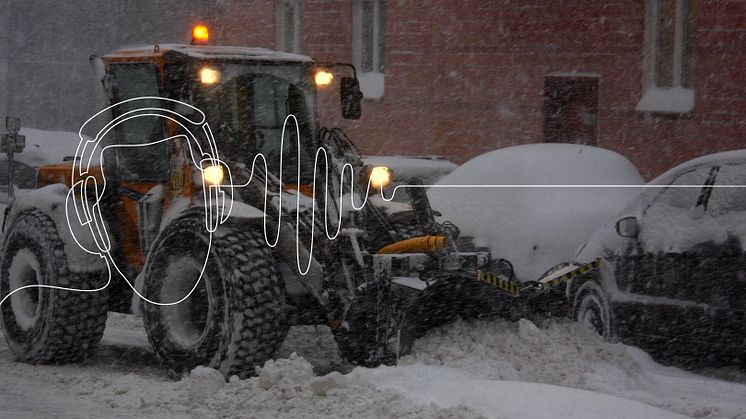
(220, 254)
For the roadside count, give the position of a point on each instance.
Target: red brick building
(660, 81)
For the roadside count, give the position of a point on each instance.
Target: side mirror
(350, 96)
(13, 124)
(12, 142)
(628, 227)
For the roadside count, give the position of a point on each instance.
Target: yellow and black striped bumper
(548, 282)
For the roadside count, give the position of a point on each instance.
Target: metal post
(11, 188)
(12, 143)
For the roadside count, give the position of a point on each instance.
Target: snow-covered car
(535, 228)
(42, 147)
(673, 274)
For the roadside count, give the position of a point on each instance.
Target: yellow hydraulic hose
(424, 244)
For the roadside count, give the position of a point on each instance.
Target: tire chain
(253, 291)
(78, 319)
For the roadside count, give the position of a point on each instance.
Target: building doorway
(571, 109)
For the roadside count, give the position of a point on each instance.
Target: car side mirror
(628, 227)
(351, 98)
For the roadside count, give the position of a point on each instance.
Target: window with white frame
(368, 45)
(668, 57)
(288, 22)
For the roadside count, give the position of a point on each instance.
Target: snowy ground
(466, 369)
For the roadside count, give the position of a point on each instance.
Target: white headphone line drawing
(87, 212)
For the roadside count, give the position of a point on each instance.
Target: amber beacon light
(200, 35)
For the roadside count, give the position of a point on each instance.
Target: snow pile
(497, 369)
(506, 399)
(203, 383)
(127, 392)
(316, 345)
(288, 388)
(565, 354)
(536, 228)
(520, 352)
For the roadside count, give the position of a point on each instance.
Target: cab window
(247, 110)
(139, 163)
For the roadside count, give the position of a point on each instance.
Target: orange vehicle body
(179, 185)
(126, 212)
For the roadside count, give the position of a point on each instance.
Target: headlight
(209, 75)
(323, 77)
(213, 175)
(380, 177)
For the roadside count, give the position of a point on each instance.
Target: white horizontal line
(647, 186)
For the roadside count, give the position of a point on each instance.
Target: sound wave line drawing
(213, 158)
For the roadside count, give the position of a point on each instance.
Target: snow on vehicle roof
(682, 229)
(536, 228)
(724, 157)
(212, 52)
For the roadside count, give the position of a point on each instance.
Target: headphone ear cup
(213, 208)
(101, 236)
(226, 212)
(97, 226)
(79, 221)
(221, 216)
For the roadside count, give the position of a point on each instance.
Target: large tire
(591, 309)
(45, 325)
(235, 318)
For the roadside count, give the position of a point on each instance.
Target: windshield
(246, 106)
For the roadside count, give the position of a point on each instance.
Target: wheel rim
(25, 271)
(186, 322)
(593, 316)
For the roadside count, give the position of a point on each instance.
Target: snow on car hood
(429, 169)
(536, 228)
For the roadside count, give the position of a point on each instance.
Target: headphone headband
(196, 131)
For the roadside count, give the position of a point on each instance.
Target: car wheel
(592, 310)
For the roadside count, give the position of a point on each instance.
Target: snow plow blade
(397, 307)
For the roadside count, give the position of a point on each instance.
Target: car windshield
(247, 105)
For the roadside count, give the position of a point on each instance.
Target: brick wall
(467, 77)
